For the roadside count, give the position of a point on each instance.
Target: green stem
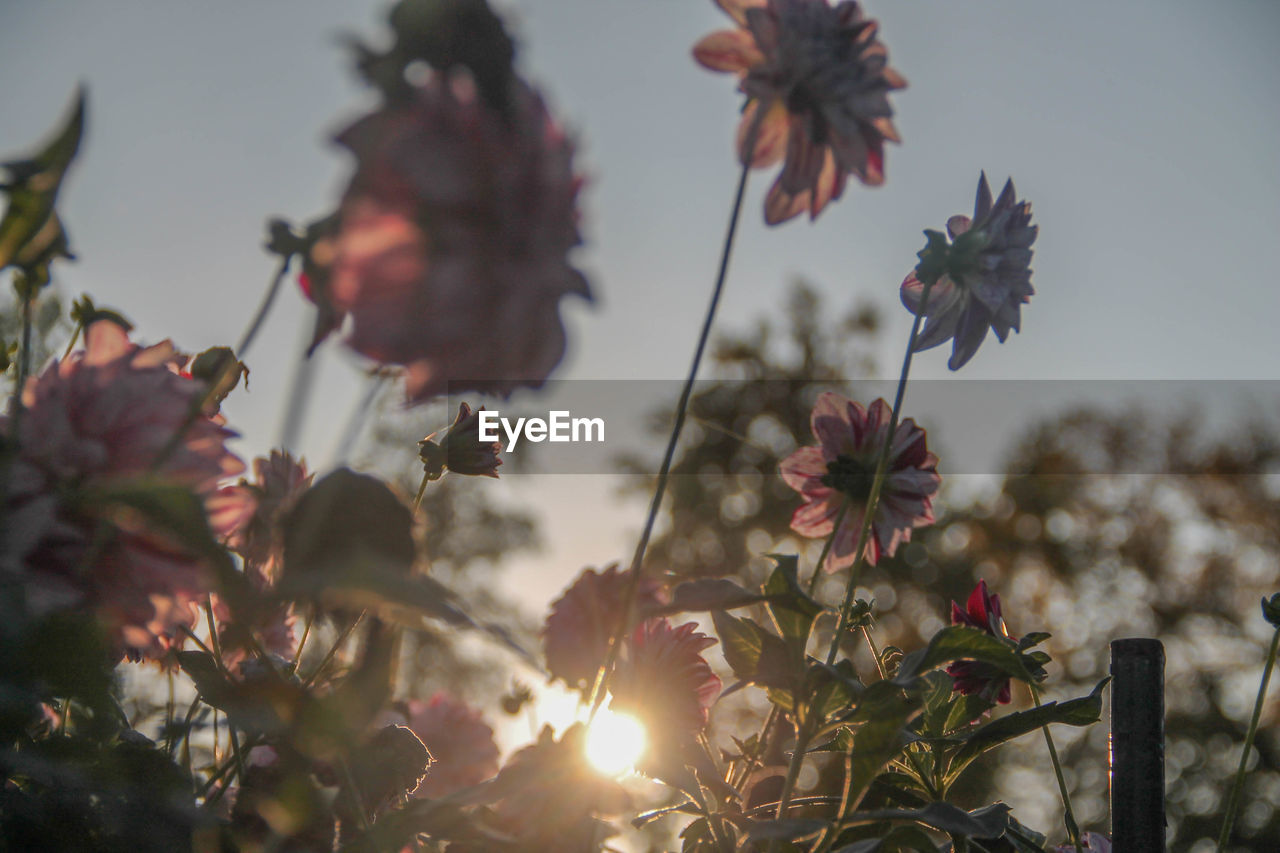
(1068, 816)
(246, 339)
(1237, 786)
(793, 770)
(333, 650)
(882, 467)
(682, 408)
(422, 490)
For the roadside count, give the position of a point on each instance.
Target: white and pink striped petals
(816, 518)
(780, 206)
(733, 51)
(805, 467)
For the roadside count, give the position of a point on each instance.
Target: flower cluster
(103, 420)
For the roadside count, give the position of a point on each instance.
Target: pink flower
(97, 420)
(452, 252)
(663, 678)
(460, 449)
(459, 740)
(841, 469)
(982, 611)
(817, 83)
(1091, 841)
(582, 621)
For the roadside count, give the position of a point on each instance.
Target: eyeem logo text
(558, 426)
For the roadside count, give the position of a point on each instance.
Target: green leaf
(790, 829)
(792, 610)
(1271, 610)
(753, 653)
(960, 642)
(33, 191)
(705, 594)
(834, 689)
(1083, 711)
(987, 822)
(885, 710)
(899, 839)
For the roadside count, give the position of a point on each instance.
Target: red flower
(97, 420)
(982, 612)
(663, 679)
(817, 83)
(841, 469)
(452, 253)
(582, 621)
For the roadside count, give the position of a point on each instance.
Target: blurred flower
(982, 611)
(92, 422)
(984, 278)
(1091, 841)
(817, 83)
(663, 679)
(460, 450)
(841, 468)
(452, 253)
(461, 743)
(554, 795)
(577, 632)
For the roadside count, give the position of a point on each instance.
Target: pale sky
(1144, 134)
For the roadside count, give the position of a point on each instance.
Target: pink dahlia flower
(577, 632)
(461, 743)
(817, 83)
(452, 252)
(96, 420)
(841, 469)
(987, 279)
(663, 678)
(982, 611)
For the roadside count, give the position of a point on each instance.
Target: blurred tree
(1103, 525)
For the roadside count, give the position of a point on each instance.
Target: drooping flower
(95, 421)
(452, 251)
(840, 470)
(982, 611)
(582, 621)
(817, 83)
(460, 450)
(984, 278)
(663, 679)
(461, 743)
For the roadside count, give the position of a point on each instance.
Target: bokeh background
(1143, 133)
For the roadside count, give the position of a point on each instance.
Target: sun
(615, 742)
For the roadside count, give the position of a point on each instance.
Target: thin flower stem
(355, 422)
(24, 357)
(875, 653)
(1237, 786)
(422, 490)
(1068, 815)
(828, 545)
(299, 394)
(246, 339)
(682, 408)
(306, 632)
(803, 736)
(333, 650)
(882, 467)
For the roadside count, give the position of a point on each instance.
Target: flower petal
(728, 50)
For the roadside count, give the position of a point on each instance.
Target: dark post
(1137, 746)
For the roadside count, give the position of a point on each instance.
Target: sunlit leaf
(793, 611)
(705, 594)
(960, 642)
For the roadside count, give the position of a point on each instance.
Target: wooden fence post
(1137, 746)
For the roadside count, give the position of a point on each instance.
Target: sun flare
(615, 742)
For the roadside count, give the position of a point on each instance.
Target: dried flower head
(982, 611)
(662, 677)
(460, 450)
(452, 252)
(582, 621)
(982, 278)
(97, 420)
(817, 83)
(840, 470)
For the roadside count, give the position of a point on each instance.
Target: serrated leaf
(792, 610)
(960, 642)
(833, 689)
(1083, 711)
(753, 653)
(881, 737)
